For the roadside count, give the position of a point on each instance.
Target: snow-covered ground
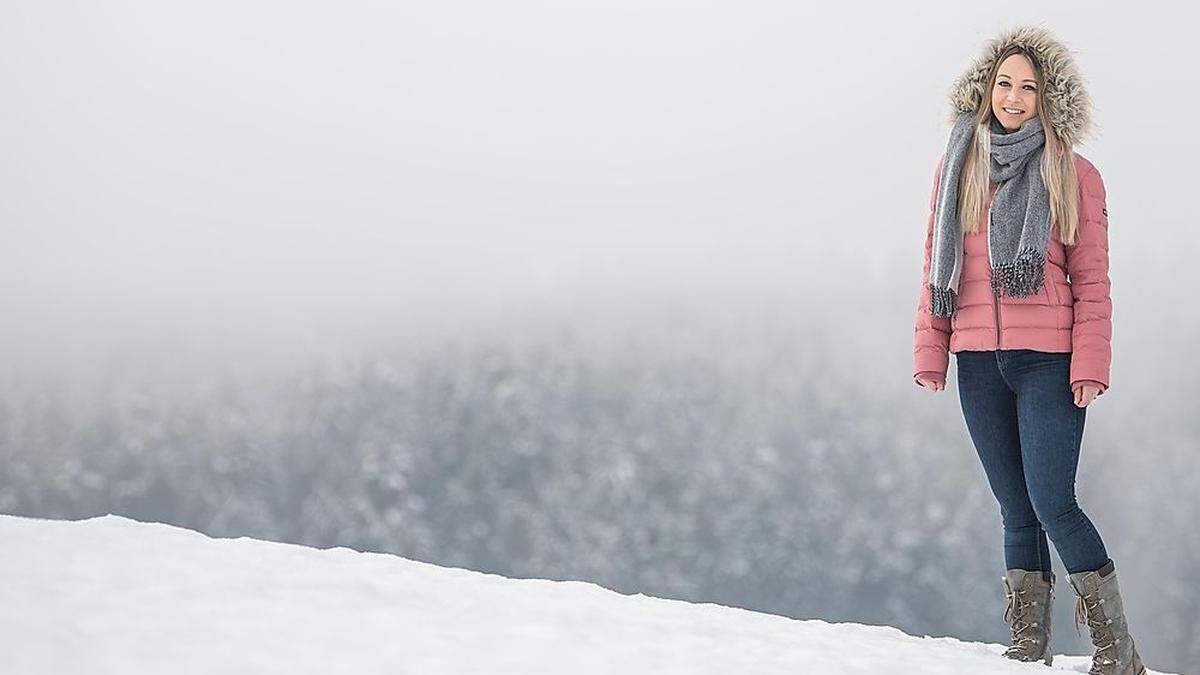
(114, 595)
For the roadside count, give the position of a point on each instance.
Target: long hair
(1058, 162)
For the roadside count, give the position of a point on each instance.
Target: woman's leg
(989, 407)
(1051, 429)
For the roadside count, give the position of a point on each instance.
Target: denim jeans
(1026, 428)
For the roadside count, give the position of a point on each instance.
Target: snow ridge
(115, 595)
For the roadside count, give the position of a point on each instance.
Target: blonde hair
(1058, 163)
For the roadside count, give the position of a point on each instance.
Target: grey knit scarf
(1018, 223)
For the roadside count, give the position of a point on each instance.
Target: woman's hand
(931, 385)
(1085, 394)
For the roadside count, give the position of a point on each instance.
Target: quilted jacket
(1072, 313)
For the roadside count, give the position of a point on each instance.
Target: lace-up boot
(1099, 606)
(1028, 611)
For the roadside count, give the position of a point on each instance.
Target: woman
(1015, 284)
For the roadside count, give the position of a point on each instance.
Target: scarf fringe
(942, 301)
(1022, 277)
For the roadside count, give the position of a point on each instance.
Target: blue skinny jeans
(1027, 430)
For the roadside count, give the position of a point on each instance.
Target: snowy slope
(113, 595)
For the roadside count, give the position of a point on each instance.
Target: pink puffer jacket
(1072, 313)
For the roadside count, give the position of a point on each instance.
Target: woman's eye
(1030, 87)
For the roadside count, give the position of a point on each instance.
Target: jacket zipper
(996, 305)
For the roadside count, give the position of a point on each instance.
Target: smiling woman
(1015, 213)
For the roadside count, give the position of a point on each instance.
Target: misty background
(605, 291)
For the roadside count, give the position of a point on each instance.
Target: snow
(114, 595)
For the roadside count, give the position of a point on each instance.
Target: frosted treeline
(735, 464)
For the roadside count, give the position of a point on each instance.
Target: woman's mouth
(1013, 111)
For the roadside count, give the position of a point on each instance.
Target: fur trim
(1065, 99)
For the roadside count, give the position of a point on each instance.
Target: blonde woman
(1015, 284)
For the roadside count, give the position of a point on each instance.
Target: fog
(257, 253)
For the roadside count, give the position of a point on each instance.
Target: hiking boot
(1028, 610)
(1099, 605)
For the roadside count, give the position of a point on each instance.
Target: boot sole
(1050, 660)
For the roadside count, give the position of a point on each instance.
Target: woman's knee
(1019, 518)
(1060, 518)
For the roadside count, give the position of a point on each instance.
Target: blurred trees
(736, 465)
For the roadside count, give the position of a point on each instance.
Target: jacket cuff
(931, 359)
(930, 375)
(1099, 385)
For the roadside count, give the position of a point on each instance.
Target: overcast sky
(256, 170)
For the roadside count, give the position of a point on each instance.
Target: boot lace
(1087, 610)
(1024, 637)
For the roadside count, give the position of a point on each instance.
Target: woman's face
(1014, 98)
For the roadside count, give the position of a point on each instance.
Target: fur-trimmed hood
(1068, 108)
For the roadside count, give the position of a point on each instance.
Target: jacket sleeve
(1097, 385)
(1087, 269)
(931, 343)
